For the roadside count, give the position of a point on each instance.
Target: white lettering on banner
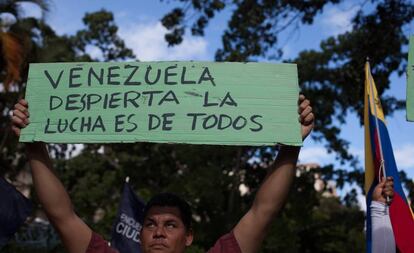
(129, 228)
(130, 221)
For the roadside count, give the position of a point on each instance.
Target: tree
(330, 72)
(40, 43)
(332, 77)
(101, 32)
(32, 41)
(326, 74)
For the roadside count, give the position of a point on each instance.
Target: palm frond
(12, 54)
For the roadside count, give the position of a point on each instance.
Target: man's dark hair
(171, 200)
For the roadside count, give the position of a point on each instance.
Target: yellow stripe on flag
(369, 162)
(378, 107)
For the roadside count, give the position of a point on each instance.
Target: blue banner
(127, 226)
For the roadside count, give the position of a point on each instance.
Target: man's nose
(159, 232)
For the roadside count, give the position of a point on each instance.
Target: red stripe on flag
(377, 155)
(402, 224)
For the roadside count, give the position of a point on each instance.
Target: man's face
(163, 231)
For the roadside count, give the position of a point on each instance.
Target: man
(166, 227)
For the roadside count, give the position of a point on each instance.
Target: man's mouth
(158, 245)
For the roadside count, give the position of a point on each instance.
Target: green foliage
(331, 77)
(101, 32)
(175, 21)
(252, 25)
(42, 44)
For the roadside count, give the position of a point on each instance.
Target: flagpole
(371, 98)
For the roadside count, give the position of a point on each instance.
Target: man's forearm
(74, 233)
(252, 228)
(49, 189)
(272, 195)
(273, 192)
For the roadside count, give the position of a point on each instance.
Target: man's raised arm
(52, 195)
(252, 228)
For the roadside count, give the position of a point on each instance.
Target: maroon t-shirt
(226, 244)
(99, 245)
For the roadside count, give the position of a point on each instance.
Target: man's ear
(189, 237)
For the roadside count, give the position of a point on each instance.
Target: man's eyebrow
(173, 220)
(149, 220)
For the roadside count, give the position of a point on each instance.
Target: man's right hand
(20, 118)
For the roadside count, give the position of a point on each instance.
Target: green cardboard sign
(169, 102)
(410, 82)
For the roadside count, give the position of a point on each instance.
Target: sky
(139, 26)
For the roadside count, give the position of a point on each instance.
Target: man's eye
(171, 225)
(149, 225)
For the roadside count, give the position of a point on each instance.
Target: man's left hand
(306, 117)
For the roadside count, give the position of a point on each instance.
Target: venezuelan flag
(379, 160)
